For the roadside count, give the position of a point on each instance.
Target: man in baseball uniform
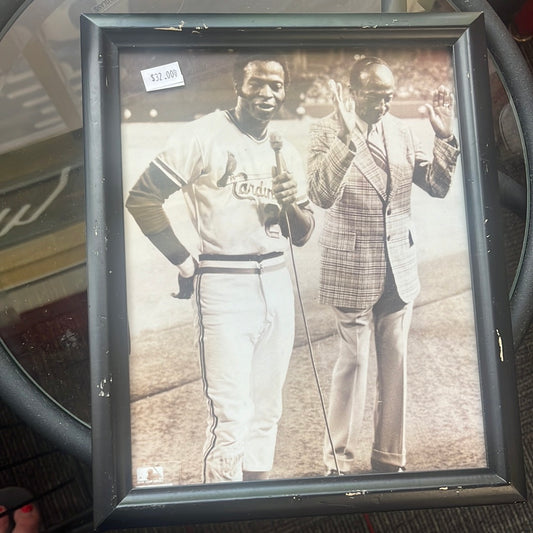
(362, 164)
(245, 192)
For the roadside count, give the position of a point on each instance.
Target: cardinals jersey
(226, 178)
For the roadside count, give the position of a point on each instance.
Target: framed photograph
(297, 292)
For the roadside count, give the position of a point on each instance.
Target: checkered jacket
(367, 223)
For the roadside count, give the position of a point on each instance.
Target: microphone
(277, 143)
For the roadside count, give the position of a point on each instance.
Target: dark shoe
(385, 468)
(335, 473)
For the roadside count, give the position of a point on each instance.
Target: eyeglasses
(375, 97)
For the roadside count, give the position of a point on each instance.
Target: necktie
(375, 145)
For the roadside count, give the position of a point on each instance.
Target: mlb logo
(150, 475)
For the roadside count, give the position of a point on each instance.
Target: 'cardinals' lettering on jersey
(226, 178)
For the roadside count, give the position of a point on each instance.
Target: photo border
(116, 502)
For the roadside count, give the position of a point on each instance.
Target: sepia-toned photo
(296, 299)
(298, 274)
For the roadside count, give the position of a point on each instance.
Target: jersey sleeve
(145, 203)
(182, 160)
(146, 198)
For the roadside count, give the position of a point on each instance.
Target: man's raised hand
(441, 112)
(343, 110)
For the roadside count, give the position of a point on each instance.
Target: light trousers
(245, 327)
(388, 323)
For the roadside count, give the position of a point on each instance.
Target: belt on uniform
(240, 264)
(243, 257)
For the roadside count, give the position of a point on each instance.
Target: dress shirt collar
(363, 126)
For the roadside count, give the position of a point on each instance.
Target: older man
(362, 164)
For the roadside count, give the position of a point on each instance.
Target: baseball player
(241, 185)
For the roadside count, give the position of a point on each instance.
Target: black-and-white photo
(296, 298)
(299, 284)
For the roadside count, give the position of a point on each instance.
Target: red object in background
(523, 20)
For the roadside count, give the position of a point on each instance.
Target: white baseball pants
(245, 329)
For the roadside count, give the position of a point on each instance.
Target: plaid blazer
(368, 220)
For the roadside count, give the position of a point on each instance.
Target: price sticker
(163, 77)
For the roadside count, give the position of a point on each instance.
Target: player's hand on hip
(344, 110)
(441, 112)
(187, 271)
(284, 187)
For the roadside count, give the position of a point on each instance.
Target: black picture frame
(117, 501)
